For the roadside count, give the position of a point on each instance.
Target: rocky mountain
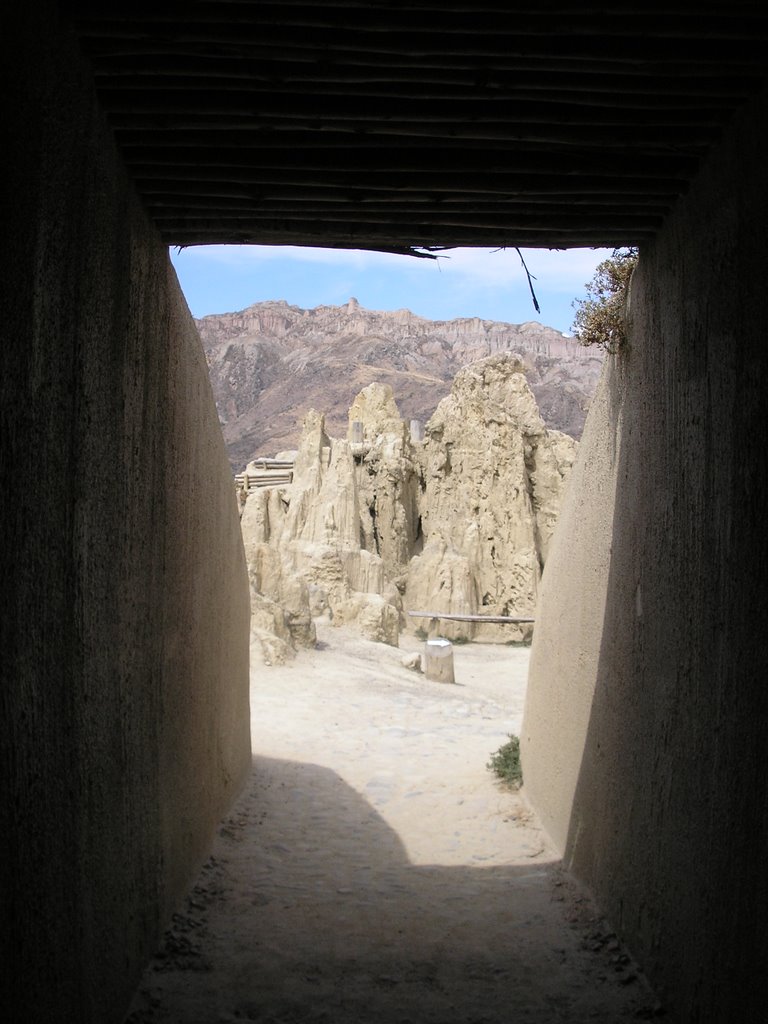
(378, 523)
(269, 364)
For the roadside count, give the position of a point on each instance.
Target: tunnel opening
(123, 700)
(362, 873)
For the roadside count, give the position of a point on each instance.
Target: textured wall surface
(566, 642)
(125, 609)
(644, 734)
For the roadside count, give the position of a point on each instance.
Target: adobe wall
(124, 700)
(643, 741)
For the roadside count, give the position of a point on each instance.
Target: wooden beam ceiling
(413, 125)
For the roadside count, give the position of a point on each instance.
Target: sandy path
(374, 871)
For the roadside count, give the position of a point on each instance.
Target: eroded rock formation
(493, 482)
(377, 523)
(308, 540)
(390, 480)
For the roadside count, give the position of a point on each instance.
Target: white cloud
(559, 270)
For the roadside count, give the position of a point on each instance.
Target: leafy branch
(601, 318)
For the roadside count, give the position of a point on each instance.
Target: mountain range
(272, 362)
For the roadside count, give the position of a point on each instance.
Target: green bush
(506, 763)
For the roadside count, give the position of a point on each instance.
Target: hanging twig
(530, 279)
(503, 248)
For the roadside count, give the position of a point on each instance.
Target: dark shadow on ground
(309, 912)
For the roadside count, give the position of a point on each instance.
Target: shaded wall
(644, 738)
(125, 610)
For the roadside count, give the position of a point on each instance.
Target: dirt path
(374, 871)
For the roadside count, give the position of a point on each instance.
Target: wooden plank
(415, 20)
(455, 617)
(274, 478)
(278, 199)
(423, 182)
(614, 136)
(512, 222)
(424, 160)
(384, 242)
(352, 110)
(625, 40)
(272, 463)
(541, 79)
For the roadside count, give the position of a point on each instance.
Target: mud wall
(125, 727)
(644, 732)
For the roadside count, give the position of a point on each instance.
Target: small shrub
(460, 640)
(506, 763)
(601, 318)
(421, 633)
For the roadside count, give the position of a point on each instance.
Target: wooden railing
(456, 617)
(268, 473)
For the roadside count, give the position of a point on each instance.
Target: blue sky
(466, 282)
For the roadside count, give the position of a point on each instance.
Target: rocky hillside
(272, 362)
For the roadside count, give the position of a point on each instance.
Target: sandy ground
(375, 871)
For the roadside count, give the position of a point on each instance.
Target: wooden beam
(422, 161)
(373, 93)
(623, 38)
(194, 207)
(455, 617)
(565, 144)
(275, 133)
(179, 193)
(122, 11)
(365, 239)
(263, 105)
(432, 223)
(215, 69)
(646, 67)
(447, 182)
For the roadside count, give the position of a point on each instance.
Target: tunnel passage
(374, 869)
(407, 130)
